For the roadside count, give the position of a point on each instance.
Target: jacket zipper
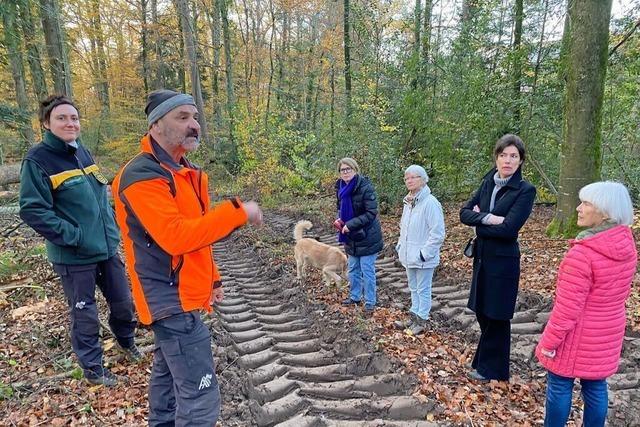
(202, 210)
(95, 195)
(211, 249)
(172, 271)
(176, 271)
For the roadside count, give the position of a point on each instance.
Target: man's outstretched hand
(254, 213)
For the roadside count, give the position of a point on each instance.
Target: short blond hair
(349, 162)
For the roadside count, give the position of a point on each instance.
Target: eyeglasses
(346, 170)
(411, 178)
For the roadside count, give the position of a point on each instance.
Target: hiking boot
(369, 308)
(418, 326)
(477, 376)
(132, 353)
(106, 378)
(407, 323)
(349, 301)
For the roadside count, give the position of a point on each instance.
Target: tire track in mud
(532, 312)
(297, 371)
(301, 369)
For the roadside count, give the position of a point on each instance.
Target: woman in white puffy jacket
(421, 235)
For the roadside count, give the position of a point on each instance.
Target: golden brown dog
(331, 260)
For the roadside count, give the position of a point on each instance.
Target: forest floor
(289, 353)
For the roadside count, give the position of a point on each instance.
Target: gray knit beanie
(161, 101)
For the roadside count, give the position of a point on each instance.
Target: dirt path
(288, 354)
(298, 369)
(303, 367)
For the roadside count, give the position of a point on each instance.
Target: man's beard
(190, 145)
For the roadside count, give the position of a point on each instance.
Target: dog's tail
(300, 228)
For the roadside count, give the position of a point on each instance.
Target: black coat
(365, 234)
(496, 262)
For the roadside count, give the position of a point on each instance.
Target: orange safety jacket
(162, 208)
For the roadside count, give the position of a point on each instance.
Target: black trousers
(79, 283)
(492, 355)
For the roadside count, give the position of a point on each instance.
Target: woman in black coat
(497, 210)
(360, 231)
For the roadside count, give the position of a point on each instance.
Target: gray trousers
(183, 390)
(79, 283)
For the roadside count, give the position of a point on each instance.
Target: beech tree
(586, 67)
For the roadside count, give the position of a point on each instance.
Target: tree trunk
(226, 40)
(214, 23)
(470, 9)
(159, 68)
(182, 73)
(283, 54)
(144, 41)
(13, 42)
(56, 48)
(248, 58)
(311, 77)
(190, 47)
(347, 60)
(271, 64)
(34, 55)
(586, 71)
(9, 174)
(434, 52)
(102, 81)
(426, 30)
(332, 110)
(417, 26)
(498, 44)
(564, 47)
(517, 63)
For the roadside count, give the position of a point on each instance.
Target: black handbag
(468, 249)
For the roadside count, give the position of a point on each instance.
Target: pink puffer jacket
(587, 323)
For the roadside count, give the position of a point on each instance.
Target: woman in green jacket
(63, 197)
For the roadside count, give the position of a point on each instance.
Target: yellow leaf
(108, 344)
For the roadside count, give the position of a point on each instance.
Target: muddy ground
(288, 354)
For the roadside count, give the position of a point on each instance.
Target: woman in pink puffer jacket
(583, 338)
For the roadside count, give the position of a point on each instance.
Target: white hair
(611, 199)
(418, 171)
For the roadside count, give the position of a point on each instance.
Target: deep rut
(302, 369)
(532, 313)
(296, 370)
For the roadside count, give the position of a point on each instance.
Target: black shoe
(349, 301)
(477, 376)
(105, 378)
(132, 353)
(369, 308)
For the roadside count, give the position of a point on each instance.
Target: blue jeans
(558, 406)
(362, 273)
(420, 287)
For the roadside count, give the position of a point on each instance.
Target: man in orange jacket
(162, 208)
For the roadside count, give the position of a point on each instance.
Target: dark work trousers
(183, 390)
(79, 283)
(492, 355)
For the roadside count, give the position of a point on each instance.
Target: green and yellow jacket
(63, 196)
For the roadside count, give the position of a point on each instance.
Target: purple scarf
(346, 207)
